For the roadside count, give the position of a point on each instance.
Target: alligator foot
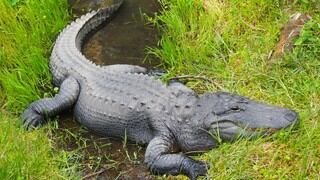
(160, 160)
(32, 119)
(39, 111)
(195, 168)
(156, 72)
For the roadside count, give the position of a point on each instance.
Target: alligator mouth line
(231, 128)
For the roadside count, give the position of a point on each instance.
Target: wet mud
(99, 157)
(123, 40)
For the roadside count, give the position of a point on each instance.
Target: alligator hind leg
(39, 111)
(160, 161)
(156, 72)
(178, 88)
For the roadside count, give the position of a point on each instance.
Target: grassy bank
(229, 42)
(24, 155)
(28, 29)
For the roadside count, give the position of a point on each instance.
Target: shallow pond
(123, 40)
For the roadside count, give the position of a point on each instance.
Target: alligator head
(231, 116)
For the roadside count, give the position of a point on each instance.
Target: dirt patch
(288, 32)
(101, 157)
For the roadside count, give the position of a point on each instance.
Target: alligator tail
(99, 17)
(66, 57)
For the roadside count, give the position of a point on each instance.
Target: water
(125, 38)
(122, 41)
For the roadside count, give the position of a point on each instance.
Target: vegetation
(229, 42)
(27, 31)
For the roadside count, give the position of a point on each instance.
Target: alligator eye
(235, 108)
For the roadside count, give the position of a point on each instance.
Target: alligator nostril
(291, 116)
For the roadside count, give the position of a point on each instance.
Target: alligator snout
(291, 116)
(236, 115)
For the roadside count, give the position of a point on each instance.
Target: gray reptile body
(120, 100)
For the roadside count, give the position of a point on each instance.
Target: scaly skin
(120, 100)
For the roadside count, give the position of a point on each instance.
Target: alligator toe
(32, 120)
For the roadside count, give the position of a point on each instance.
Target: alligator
(125, 100)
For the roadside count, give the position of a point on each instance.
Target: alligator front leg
(39, 111)
(160, 161)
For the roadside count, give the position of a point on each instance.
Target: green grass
(27, 32)
(24, 155)
(229, 43)
(28, 29)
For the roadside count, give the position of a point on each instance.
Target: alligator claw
(197, 168)
(31, 120)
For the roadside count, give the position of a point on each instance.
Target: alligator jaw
(232, 116)
(229, 130)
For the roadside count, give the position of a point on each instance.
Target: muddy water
(125, 38)
(121, 41)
